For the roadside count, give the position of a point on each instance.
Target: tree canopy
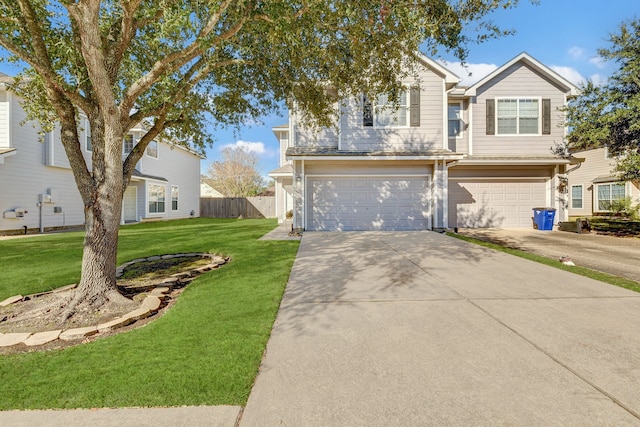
(609, 115)
(236, 175)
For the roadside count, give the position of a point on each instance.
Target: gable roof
(450, 78)
(533, 63)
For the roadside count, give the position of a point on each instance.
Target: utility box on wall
(51, 196)
(57, 209)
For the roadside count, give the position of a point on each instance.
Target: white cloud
(569, 73)
(576, 53)
(597, 79)
(254, 147)
(470, 73)
(598, 61)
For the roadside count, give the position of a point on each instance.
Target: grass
(582, 271)
(205, 350)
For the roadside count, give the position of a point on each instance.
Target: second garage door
(368, 203)
(494, 203)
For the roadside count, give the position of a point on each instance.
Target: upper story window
(518, 116)
(129, 143)
(387, 114)
(152, 149)
(454, 114)
(384, 113)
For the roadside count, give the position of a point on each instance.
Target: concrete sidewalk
(420, 329)
(186, 416)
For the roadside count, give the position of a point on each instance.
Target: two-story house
(38, 190)
(448, 156)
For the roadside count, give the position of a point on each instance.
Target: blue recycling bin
(543, 218)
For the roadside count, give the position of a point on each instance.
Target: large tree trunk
(98, 280)
(103, 208)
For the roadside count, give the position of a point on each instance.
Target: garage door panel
(371, 203)
(487, 203)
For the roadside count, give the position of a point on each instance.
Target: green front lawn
(205, 350)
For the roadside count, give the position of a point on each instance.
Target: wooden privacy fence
(233, 207)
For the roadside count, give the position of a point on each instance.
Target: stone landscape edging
(150, 304)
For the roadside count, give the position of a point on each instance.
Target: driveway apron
(421, 329)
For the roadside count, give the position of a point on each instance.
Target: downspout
(39, 204)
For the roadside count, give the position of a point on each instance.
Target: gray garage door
(368, 203)
(491, 203)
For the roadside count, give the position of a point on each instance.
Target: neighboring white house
(450, 156)
(38, 191)
(593, 185)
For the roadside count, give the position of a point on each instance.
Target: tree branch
(175, 60)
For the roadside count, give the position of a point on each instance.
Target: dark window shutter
(414, 106)
(491, 117)
(546, 117)
(367, 111)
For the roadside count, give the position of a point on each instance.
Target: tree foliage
(609, 115)
(178, 65)
(236, 175)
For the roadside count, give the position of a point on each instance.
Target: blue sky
(563, 34)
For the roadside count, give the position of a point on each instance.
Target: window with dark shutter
(491, 117)
(367, 111)
(414, 107)
(546, 117)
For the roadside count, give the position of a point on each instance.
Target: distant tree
(236, 175)
(177, 64)
(609, 115)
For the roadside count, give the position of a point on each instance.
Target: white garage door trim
(514, 208)
(425, 181)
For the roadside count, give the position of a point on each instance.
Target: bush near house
(618, 226)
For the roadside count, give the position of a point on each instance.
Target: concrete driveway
(619, 256)
(420, 329)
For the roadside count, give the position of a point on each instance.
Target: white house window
(608, 193)
(518, 116)
(455, 120)
(388, 114)
(156, 198)
(174, 198)
(129, 142)
(576, 196)
(152, 149)
(88, 144)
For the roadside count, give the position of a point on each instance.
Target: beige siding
(517, 81)
(354, 167)
(283, 139)
(313, 137)
(501, 172)
(429, 135)
(350, 135)
(596, 165)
